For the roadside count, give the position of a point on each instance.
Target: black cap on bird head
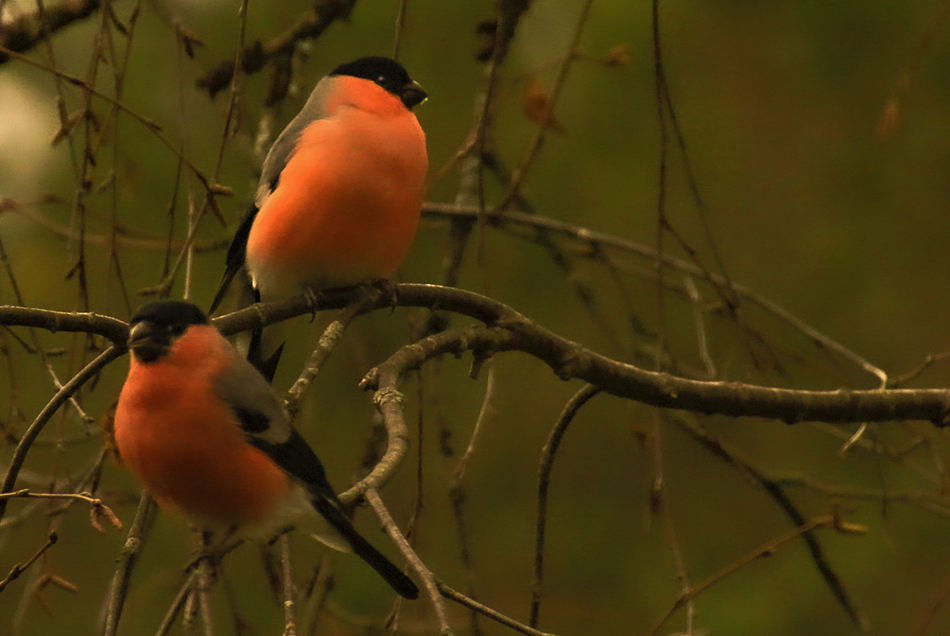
(155, 326)
(387, 73)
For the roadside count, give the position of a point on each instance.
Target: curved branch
(545, 467)
(589, 237)
(23, 447)
(507, 330)
(569, 360)
(389, 404)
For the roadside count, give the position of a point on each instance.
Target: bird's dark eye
(381, 79)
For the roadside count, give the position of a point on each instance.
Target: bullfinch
(205, 434)
(340, 191)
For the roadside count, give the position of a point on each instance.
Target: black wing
(234, 261)
(297, 458)
(267, 428)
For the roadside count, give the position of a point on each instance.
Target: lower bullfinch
(205, 434)
(340, 191)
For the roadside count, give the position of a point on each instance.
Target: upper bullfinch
(205, 434)
(340, 191)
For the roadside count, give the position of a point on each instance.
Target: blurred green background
(819, 136)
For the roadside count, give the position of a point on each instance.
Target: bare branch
(463, 600)
(328, 341)
(290, 590)
(255, 56)
(20, 568)
(29, 29)
(510, 331)
(184, 594)
(544, 479)
(587, 236)
(134, 542)
(827, 521)
(507, 330)
(776, 492)
(428, 581)
(112, 328)
(547, 115)
(26, 441)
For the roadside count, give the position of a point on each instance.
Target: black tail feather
(268, 367)
(234, 261)
(401, 583)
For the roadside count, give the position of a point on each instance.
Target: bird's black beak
(148, 342)
(412, 94)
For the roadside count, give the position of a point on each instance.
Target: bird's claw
(315, 298)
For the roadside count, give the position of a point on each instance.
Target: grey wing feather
(261, 414)
(267, 427)
(286, 142)
(278, 156)
(264, 421)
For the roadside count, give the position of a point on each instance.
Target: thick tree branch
(507, 330)
(29, 29)
(504, 330)
(113, 329)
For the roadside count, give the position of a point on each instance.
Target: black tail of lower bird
(401, 583)
(255, 355)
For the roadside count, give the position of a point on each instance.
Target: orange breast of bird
(184, 444)
(347, 203)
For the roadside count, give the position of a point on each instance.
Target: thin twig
(588, 236)
(119, 237)
(428, 581)
(99, 509)
(458, 475)
(701, 343)
(26, 441)
(827, 521)
(925, 499)
(184, 593)
(520, 173)
(456, 490)
(325, 346)
(659, 504)
(212, 188)
(134, 542)
(400, 24)
(203, 590)
(195, 217)
(666, 110)
(319, 587)
(776, 492)
(20, 568)
(545, 467)
(120, 69)
(290, 591)
(928, 361)
(498, 617)
(37, 345)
